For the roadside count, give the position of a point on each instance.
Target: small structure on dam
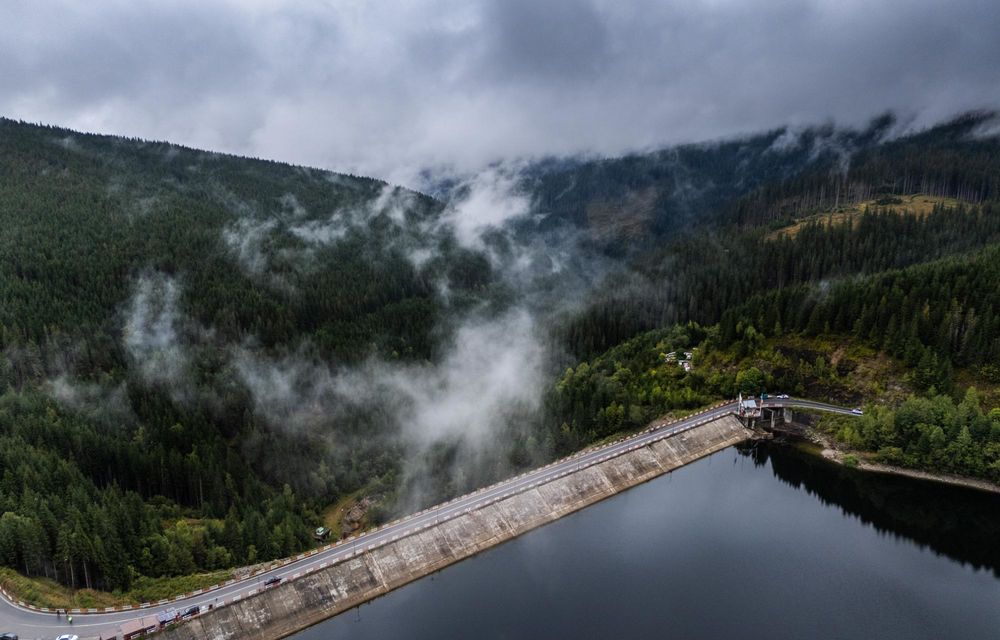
(748, 408)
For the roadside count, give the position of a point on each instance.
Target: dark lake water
(769, 543)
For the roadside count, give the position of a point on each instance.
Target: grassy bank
(818, 445)
(44, 592)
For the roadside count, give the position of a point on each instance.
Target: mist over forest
(203, 352)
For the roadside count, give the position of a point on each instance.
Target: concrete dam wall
(321, 594)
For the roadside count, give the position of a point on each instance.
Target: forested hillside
(916, 291)
(731, 251)
(139, 282)
(632, 201)
(201, 353)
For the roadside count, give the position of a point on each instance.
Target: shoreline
(828, 450)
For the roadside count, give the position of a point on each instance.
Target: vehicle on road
(857, 412)
(782, 396)
(169, 616)
(272, 582)
(68, 636)
(191, 611)
(8, 636)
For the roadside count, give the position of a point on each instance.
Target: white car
(68, 636)
(857, 412)
(783, 396)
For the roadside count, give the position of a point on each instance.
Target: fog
(493, 368)
(483, 388)
(492, 372)
(152, 334)
(467, 94)
(458, 414)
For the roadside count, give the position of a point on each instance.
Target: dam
(323, 591)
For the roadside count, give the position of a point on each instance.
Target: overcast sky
(384, 88)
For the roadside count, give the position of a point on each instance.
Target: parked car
(273, 581)
(8, 636)
(191, 611)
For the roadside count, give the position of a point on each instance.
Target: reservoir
(751, 542)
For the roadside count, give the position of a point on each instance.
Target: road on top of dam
(33, 623)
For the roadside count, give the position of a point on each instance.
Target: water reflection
(959, 523)
(734, 545)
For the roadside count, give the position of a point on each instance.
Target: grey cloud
(558, 41)
(127, 51)
(387, 88)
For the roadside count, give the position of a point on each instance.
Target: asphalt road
(29, 624)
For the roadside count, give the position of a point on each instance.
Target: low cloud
(988, 129)
(480, 393)
(293, 393)
(158, 338)
(493, 368)
(486, 200)
(246, 238)
(492, 373)
(386, 89)
(105, 404)
(256, 239)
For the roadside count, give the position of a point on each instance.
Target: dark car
(191, 611)
(271, 582)
(8, 636)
